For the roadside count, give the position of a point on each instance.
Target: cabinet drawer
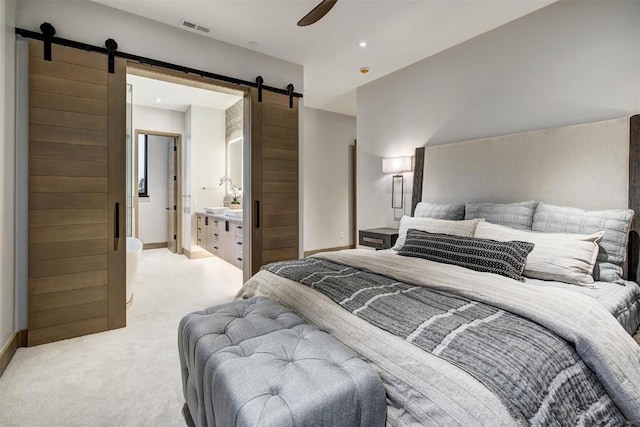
(378, 238)
(216, 223)
(239, 231)
(214, 236)
(238, 262)
(215, 249)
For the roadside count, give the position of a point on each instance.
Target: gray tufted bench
(255, 363)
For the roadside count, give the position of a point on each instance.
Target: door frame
(171, 76)
(178, 197)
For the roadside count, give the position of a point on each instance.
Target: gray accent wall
(327, 169)
(571, 62)
(93, 23)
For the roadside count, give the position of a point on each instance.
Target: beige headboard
(590, 166)
(585, 166)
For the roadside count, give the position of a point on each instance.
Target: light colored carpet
(125, 377)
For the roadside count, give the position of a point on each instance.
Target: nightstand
(378, 238)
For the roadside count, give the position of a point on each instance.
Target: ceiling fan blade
(317, 13)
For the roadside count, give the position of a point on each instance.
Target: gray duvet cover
(621, 300)
(425, 388)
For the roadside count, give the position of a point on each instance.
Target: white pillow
(561, 257)
(431, 225)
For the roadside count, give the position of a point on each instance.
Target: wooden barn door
(77, 243)
(274, 179)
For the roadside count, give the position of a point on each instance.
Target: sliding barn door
(274, 179)
(77, 243)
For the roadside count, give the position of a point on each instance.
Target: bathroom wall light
(397, 165)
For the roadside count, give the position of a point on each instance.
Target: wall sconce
(397, 165)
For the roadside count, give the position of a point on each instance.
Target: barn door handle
(257, 213)
(116, 227)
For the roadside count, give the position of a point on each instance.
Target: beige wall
(7, 169)
(327, 179)
(571, 62)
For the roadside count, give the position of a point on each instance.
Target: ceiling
(171, 96)
(398, 33)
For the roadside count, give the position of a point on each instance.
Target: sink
(212, 210)
(234, 213)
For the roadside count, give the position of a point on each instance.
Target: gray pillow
(612, 247)
(489, 256)
(514, 215)
(439, 211)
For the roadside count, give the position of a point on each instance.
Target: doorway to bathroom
(186, 156)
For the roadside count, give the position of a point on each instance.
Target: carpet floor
(124, 377)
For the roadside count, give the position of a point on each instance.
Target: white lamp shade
(397, 164)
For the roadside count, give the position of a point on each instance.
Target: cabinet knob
(215, 234)
(239, 243)
(239, 259)
(215, 247)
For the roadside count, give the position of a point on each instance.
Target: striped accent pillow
(562, 257)
(489, 256)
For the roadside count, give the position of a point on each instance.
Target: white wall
(93, 23)
(327, 179)
(157, 119)
(207, 161)
(153, 209)
(571, 62)
(7, 159)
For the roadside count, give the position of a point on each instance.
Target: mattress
(623, 301)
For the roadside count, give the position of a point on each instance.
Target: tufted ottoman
(255, 363)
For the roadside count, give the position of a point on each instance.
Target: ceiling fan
(317, 13)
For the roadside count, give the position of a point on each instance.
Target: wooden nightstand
(379, 238)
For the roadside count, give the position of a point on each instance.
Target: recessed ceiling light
(362, 44)
(158, 99)
(364, 70)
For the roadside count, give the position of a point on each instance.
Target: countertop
(222, 217)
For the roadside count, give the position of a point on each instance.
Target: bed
(457, 346)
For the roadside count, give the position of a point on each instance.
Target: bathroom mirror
(234, 162)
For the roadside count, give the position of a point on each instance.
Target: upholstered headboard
(590, 166)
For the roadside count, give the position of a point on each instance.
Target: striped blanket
(538, 375)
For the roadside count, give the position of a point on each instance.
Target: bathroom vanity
(221, 236)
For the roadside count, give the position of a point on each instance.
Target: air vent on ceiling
(194, 26)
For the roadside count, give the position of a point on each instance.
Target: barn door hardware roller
(111, 46)
(48, 31)
(259, 81)
(290, 93)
